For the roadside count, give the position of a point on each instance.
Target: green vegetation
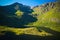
(47, 24)
(50, 19)
(20, 31)
(19, 13)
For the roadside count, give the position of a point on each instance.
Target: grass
(50, 19)
(31, 31)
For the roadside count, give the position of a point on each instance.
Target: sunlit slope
(38, 11)
(19, 31)
(50, 19)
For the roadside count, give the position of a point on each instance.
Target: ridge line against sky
(31, 3)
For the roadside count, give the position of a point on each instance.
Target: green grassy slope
(20, 31)
(50, 19)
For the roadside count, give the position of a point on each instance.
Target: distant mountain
(16, 15)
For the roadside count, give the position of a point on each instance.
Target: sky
(31, 3)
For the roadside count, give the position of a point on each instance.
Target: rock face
(43, 8)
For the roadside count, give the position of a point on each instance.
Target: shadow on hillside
(12, 36)
(14, 21)
(55, 33)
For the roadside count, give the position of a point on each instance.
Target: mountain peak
(16, 3)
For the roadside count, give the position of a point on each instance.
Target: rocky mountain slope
(47, 15)
(38, 10)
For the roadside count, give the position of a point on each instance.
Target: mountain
(38, 10)
(48, 15)
(16, 15)
(43, 22)
(14, 7)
